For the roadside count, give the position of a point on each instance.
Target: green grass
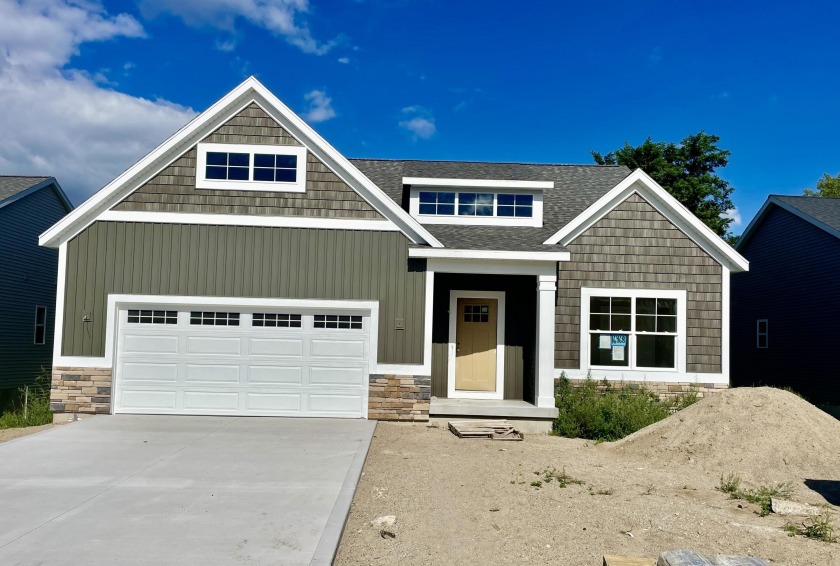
(607, 412)
(818, 528)
(24, 410)
(761, 496)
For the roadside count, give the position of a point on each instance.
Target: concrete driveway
(136, 489)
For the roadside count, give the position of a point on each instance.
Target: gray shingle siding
(793, 283)
(635, 247)
(27, 280)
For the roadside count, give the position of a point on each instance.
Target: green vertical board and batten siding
(635, 247)
(174, 190)
(242, 261)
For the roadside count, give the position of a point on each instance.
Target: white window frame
(679, 349)
(536, 219)
(759, 334)
(202, 182)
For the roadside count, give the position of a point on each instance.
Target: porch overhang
(488, 255)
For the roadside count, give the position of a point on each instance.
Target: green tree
(828, 186)
(687, 171)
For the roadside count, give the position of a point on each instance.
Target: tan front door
(475, 345)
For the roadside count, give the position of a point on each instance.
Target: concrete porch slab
(487, 408)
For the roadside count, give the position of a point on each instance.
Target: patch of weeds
(30, 406)
(649, 490)
(730, 484)
(608, 491)
(817, 528)
(562, 478)
(536, 483)
(761, 496)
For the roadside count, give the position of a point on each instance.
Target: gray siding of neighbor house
(242, 261)
(635, 247)
(520, 329)
(173, 189)
(793, 283)
(27, 279)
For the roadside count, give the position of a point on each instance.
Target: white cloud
(419, 121)
(226, 45)
(320, 107)
(734, 215)
(65, 122)
(344, 60)
(283, 18)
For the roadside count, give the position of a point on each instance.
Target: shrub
(30, 408)
(606, 412)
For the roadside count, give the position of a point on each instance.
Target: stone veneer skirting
(665, 389)
(399, 397)
(81, 390)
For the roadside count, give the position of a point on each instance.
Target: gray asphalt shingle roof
(575, 188)
(821, 209)
(12, 185)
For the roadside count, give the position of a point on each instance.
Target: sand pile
(760, 433)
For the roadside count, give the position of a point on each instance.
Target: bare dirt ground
(10, 433)
(471, 501)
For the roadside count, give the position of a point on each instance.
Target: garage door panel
(144, 399)
(273, 402)
(353, 349)
(267, 375)
(149, 372)
(207, 373)
(150, 344)
(292, 348)
(214, 345)
(203, 400)
(330, 403)
(340, 376)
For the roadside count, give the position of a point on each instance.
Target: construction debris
(690, 558)
(787, 507)
(627, 561)
(496, 430)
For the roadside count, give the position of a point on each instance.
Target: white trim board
(640, 182)
(249, 91)
(499, 393)
(248, 220)
(498, 255)
(476, 183)
(643, 376)
(494, 267)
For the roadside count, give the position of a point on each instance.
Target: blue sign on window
(618, 340)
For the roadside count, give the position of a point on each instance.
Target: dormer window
(470, 202)
(236, 167)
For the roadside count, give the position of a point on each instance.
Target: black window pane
(762, 341)
(263, 160)
(287, 161)
(484, 210)
(645, 306)
(599, 304)
(484, 198)
(504, 210)
(655, 351)
(238, 173)
(216, 172)
(666, 306)
(286, 175)
(645, 323)
(263, 174)
(448, 198)
(526, 200)
(427, 209)
(239, 159)
(446, 209)
(216, 158)
(620, 322)
(40, 315)
(599, 322)
(40, 333)
(666, 324)
(606, 356)
(524, 211)
(466, 209)
(621, 305)
(428, 197)
(506, 199)
(466, 198)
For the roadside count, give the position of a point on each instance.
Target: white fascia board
(765, 208)
(247, 220)
(640, 182)
(449, 253)
(477, 183)
(250, 90)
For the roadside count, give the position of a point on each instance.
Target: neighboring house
(786, 307)
(246, 267)
(28, 206)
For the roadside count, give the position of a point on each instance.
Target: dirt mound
(761, 433)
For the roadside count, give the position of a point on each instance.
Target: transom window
(242, 167)
(505, 205)
(277, 320)
(634, 330)
(476, 313)
(138, 316)
(40, 325)
(342, 321)
(210, 318)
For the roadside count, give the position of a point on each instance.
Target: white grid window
(449, 203)
(762, 334)
(276, 320)
(208, 318)
(341, 321)
(137, 316)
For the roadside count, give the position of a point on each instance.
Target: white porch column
(546, 293)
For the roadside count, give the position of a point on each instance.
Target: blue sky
(88, 88)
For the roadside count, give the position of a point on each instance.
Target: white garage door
(229, 361)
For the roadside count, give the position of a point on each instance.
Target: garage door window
(276, 320)
(206, 318)
(342, 321)
(152, 317)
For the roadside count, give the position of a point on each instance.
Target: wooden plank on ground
(496, 430)
(628, 561)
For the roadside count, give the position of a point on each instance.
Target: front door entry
(475, 344)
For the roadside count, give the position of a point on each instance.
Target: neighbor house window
(762, 333)
(633, 328)
(240, 167)
(450, 203)
(40, 325)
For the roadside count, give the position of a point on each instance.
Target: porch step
(509, 408)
